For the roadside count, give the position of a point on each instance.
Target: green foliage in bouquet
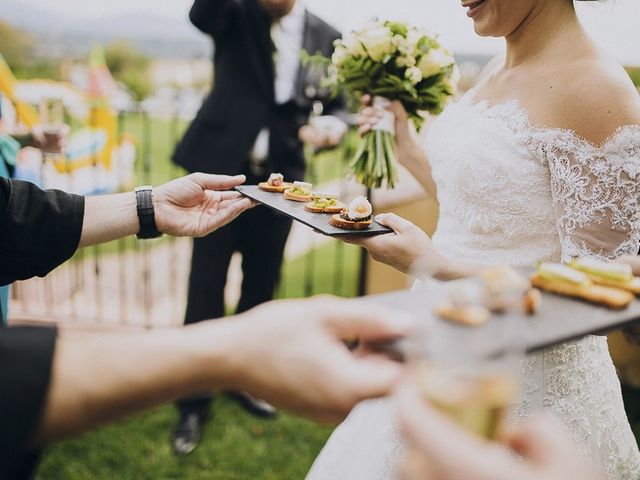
(395, 61)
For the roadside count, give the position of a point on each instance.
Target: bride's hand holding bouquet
(391, 62)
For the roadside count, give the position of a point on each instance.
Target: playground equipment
(97, 159)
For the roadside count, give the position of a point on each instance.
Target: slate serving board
(317, 221)
(559, 320)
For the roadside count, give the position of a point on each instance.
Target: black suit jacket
(242, 101)
(38, 231)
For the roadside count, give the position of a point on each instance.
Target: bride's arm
(595, 175)
(410, 250)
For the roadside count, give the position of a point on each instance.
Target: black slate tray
(559, 320)
(317, 221)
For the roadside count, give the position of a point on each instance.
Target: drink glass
(472, 374)
(51, 121)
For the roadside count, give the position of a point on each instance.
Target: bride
(539, 161)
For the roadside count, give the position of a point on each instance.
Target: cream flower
(434, 61)
(406, 61)
(378, 41)
(353, 46)
(339, 56)
(414, 75)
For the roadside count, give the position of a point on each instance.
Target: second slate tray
(295, 210)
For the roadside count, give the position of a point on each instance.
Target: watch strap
(146, 213)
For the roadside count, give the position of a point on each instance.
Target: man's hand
(198, 204)
(292, 354)
(440, 450)
(323, 132)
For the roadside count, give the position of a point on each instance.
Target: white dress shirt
(287, 34)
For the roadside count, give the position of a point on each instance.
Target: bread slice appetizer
(275, 184)
(324, 203)
(532, 301)
(355, 217)
(464, 305)
(471, 316)
(566, 281)
(299, 192)
(615, 275)
(503, 289)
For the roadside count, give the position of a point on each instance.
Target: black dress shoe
(187, 433)
(253, 405)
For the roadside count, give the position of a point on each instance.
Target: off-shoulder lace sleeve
(596, 192)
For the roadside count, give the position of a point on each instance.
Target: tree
(17, 47)
(19, 51)
(131, 67)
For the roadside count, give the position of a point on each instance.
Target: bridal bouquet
(391, 61)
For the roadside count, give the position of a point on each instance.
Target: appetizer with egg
(357, 216)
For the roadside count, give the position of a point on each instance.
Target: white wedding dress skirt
(513, 193)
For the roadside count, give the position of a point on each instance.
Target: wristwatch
(146, 213)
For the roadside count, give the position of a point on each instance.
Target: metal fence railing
(144, 284)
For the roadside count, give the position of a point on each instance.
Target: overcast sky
(614, 24)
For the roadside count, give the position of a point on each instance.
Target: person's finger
(394, 222)
(364, 129)
(633, 261)
(369, 322)
(230, 195)
(218, 182)
(444, 443)
(352, 239)
(224, 216)
(540, 440)
(366, 100)
(368, 376)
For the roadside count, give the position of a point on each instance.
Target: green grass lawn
(236, 446)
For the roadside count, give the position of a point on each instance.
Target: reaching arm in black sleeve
(213, 17)
(39, 229)
(26, 356)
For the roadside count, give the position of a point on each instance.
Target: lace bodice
(503, 184)
(510, 192)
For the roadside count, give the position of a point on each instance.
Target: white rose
(414, 75)
(434, 61)
(339, 56)
(413, 37)
(402, 44)
(353, 46)
(406, 61)
(454, 79)
(378, 42)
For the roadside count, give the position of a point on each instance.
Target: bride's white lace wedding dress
(513, 193)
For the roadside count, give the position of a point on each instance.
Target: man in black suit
(252, 122)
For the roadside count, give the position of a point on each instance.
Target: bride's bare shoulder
(594, 97)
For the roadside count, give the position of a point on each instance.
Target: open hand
(440, 450)
(293, 354)
(405, 249)
(198, 204)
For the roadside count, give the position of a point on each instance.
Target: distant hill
(155, 35)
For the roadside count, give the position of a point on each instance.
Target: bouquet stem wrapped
(374, 161)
